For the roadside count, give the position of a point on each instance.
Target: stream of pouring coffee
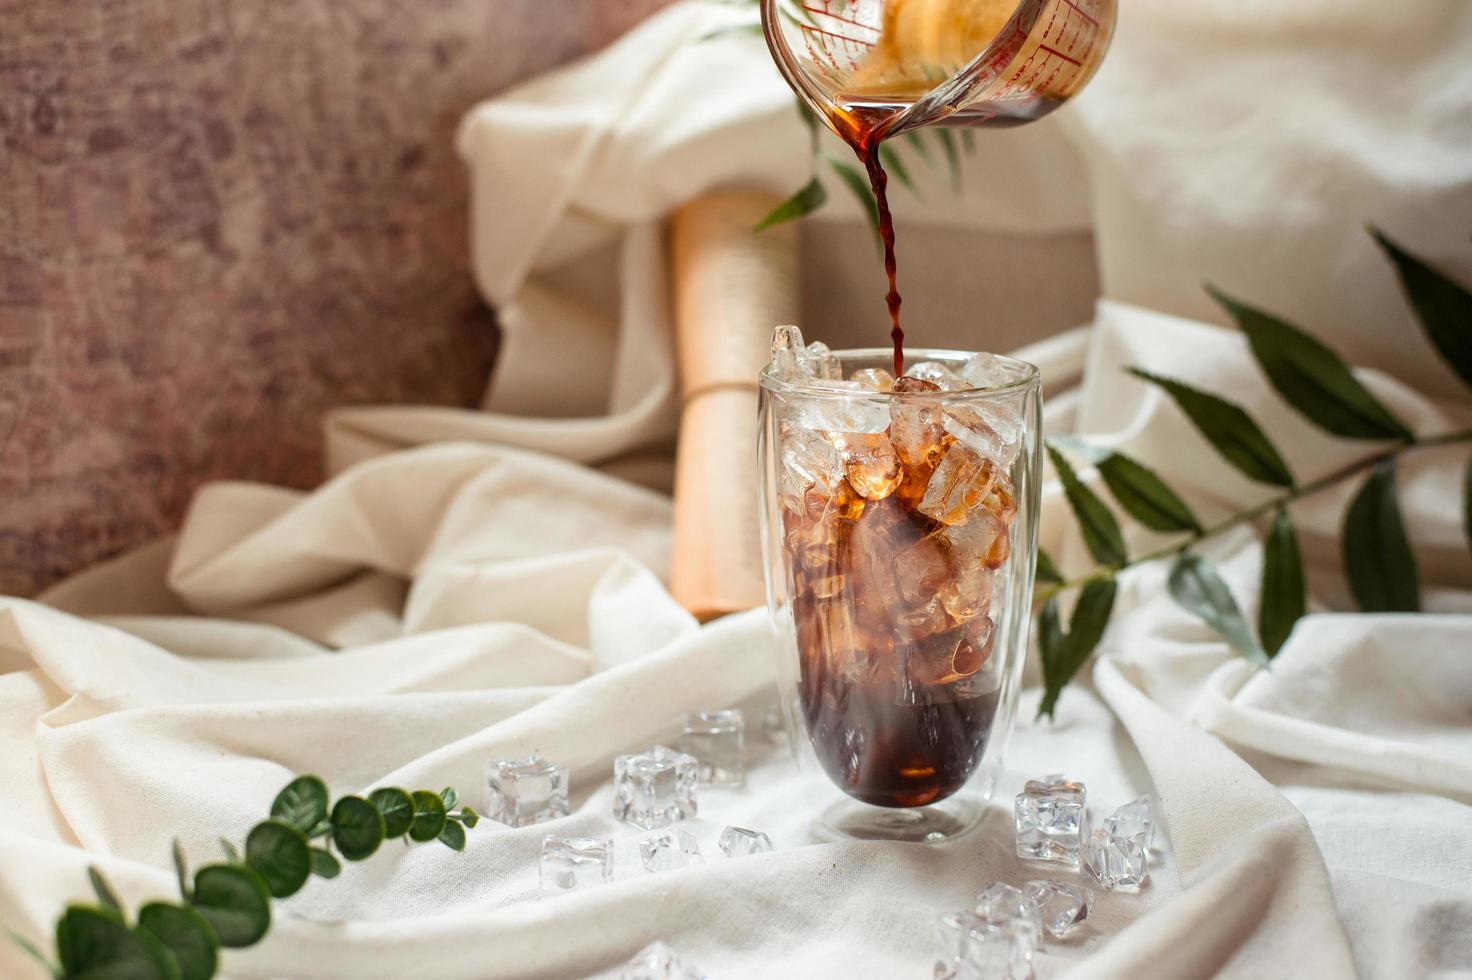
(865, 135)
(915, 32)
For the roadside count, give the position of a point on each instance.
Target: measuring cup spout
(884, 66)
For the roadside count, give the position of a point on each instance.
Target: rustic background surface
(218, 219)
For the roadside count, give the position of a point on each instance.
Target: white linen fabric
(450, 597)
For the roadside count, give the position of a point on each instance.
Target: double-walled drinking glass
(899, 525)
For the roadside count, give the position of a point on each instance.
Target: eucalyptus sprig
(229, 904)
(1315, 382)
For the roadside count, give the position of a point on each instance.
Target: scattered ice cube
(658, 962)
(575, 862)
(522, 792)
(876, 378)
(717, 740)
(655, 788)
(1117, 863)
(1050, 820)
(987, 371)
(937, 374)
(1132, 820)
(740, 842)
(1000, 901)
(1063, 907)
(668, 850)
(974, 947)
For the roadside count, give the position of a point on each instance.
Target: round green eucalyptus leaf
(469, 817)
(186, 935)
(324, 865)
(303, 803)
(94, 943)
(397, 809)
(429, 816)
(357, 828)
(450, 797)
(279, 853)
(453, 836)
(235, 902)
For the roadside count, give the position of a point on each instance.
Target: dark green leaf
(469, 817)
(453, 836)
(895, 166)
(858, 185)
(234, 901)
(953, 156)
(323, 828)
(186, 935)
(1063, 655)
(1047, 571)
(429, 816)
(1443, 306)
(181, 869)
(1101, 530)
(1377, 557)
(357, 828)
(1282, 585)
(808, 199)
(1311, 377)
(278, 852)
(232, 853)
(1231, 430)
(1195, 584)
(397, 809)
(104, 891)
(302, 803)
(324, 865)
(34, 952)
(95, 944)
(449, 797)
(1135, 486)
(1145, 496)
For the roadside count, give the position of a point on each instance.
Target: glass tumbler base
(851, 820)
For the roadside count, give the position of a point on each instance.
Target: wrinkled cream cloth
(434, 607)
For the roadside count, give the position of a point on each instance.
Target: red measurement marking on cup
(834, 46)
(1081, 12)
(825, 12)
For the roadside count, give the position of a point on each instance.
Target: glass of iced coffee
(899, 525)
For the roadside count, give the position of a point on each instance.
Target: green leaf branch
(1377, 559)
(228, 905)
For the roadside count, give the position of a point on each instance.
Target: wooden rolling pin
(731, 286)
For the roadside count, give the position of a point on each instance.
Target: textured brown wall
(217, 219)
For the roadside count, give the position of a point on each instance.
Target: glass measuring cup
(892, 65)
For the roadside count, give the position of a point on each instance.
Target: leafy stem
(229, 904)
(1253, 514)
(1379, 563)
